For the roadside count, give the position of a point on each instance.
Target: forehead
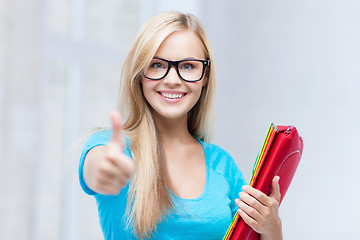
(181, 45)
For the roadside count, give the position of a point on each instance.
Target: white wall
(294, 62)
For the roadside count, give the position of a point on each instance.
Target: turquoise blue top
(205, 217)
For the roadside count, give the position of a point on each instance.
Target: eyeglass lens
(189, 70)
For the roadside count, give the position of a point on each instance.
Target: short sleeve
(96, 139)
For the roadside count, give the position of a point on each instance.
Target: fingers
(112, 169)
(116, 154)
(257, 209)
(248, 220)
(122, 163)
(107, 168)
(256, 194)
(249, 200)
(109, 187)
(275, 194)
(113, 172)
(248, 210)
(109, 172)
(251, 211)
(117, 128)
(275, 189)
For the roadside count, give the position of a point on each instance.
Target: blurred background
(282, 61)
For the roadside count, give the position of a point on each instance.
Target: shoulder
(222, 163)
(218, 158)
(99, 137)
(102, 137)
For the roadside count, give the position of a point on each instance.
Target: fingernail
(236, 200)
(244, 187)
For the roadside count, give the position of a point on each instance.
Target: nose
(172, 78)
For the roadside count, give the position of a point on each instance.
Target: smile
(172, 96)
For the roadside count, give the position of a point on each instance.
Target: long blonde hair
(149, 199)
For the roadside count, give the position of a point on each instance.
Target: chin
(171, 115)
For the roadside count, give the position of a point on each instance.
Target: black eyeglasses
(190, 70)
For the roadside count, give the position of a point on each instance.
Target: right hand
(107, 169)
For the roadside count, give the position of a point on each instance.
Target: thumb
(275, 188)
(117, 128)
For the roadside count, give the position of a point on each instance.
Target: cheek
(197, 87)
(147, 87)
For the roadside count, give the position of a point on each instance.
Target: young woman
(163, 180)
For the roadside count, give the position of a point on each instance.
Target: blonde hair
(149, 199)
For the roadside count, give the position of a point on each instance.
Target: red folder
(279, 156)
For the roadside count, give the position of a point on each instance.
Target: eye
(157, 65)
(187, 66)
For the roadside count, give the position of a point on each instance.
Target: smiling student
(157, 176)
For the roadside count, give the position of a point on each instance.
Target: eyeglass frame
(176, 65)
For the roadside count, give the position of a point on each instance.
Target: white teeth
(172, 96)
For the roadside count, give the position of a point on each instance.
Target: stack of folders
(279, 155)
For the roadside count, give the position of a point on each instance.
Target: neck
(173, 131)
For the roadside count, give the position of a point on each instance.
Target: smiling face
(171, 97)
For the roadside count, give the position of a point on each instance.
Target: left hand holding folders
(260, 211)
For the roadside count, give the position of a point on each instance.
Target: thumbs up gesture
(106, 168)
